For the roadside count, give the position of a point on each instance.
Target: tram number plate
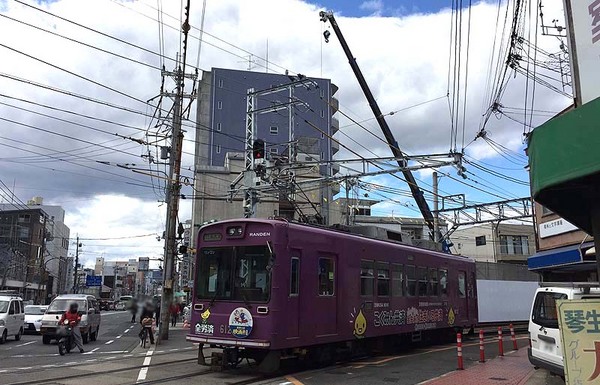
(224, 329)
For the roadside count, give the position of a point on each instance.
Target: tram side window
(295, 276)
(367, 277)
(422, 271)
(383, 279)
(433, 288)
(462, 292)
(397, 280)
(326, 276)
(411, 280)
(443, 275)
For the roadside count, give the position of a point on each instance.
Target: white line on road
(144, 371)
(26, 343)
(127, 331)
(91, 351)
(109, 342)
(119, 336)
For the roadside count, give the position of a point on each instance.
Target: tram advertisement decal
(240, 322)
(204, 327)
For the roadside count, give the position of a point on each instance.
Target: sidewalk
(512, 369)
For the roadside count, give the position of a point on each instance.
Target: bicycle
(143, 336)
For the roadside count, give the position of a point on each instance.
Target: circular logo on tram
(240, 322)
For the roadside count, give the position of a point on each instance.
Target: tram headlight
(234, 230)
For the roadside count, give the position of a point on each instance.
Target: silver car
(33, 318)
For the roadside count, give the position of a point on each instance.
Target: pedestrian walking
(174, 311)
(134, 309)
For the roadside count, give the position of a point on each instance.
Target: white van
(545, 349)
(88, 308)
(12, 317)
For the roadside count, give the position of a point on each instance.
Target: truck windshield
(59, 306)
(234, 273)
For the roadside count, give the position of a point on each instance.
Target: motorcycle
(65, 338)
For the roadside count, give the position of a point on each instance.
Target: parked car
(106, 304)
(33, 318)
(11, 317)
(120, 306)
(90, 316)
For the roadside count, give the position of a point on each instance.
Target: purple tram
(271, 289)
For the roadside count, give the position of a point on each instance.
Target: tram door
(293, 305)
(326, 301)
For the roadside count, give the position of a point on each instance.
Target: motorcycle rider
(73, 316)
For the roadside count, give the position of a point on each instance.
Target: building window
(367, 278)
(218, 149)
(326, 277)
(480, 241)
(220, 83)
(218, 126)
(546, 211)
(322, 135)
(23, 232)
(514, 244)
(219, 105)
(295, 277)
(24, 218)
(322, 93)
(273, 150)
(274, 130)
(383, 279)
(397, 280)
(322, 113)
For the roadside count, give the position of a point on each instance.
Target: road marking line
(91, 351)
(3, 371)
(119, 336)
(144, 371)
(26, 343)
(127, 331)
(293, 380)
(109, 342)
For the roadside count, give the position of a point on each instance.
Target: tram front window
(234, 273)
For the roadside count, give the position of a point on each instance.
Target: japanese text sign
(579, 323)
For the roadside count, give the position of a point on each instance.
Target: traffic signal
(258, 149)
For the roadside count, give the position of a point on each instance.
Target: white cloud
(404, 60)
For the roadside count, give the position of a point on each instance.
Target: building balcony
(335, 125)
(335, 147)
(335, 106)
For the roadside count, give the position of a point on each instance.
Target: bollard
(500, 346)
(459, 351)
(481, 347)
(513, 337)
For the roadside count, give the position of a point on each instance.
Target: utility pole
(436, 218)
(174, 183)
(75, 275)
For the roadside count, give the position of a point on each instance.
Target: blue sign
(93, 280)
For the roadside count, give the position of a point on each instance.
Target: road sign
(93, 280)
(143, 264)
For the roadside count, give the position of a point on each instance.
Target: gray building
(221, 130)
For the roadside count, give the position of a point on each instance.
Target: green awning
(564, 160)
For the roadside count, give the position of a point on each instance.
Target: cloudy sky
(76, 73)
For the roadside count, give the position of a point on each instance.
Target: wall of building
(564, 234)
(495, 249)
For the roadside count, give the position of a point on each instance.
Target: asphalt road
(117, 358)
